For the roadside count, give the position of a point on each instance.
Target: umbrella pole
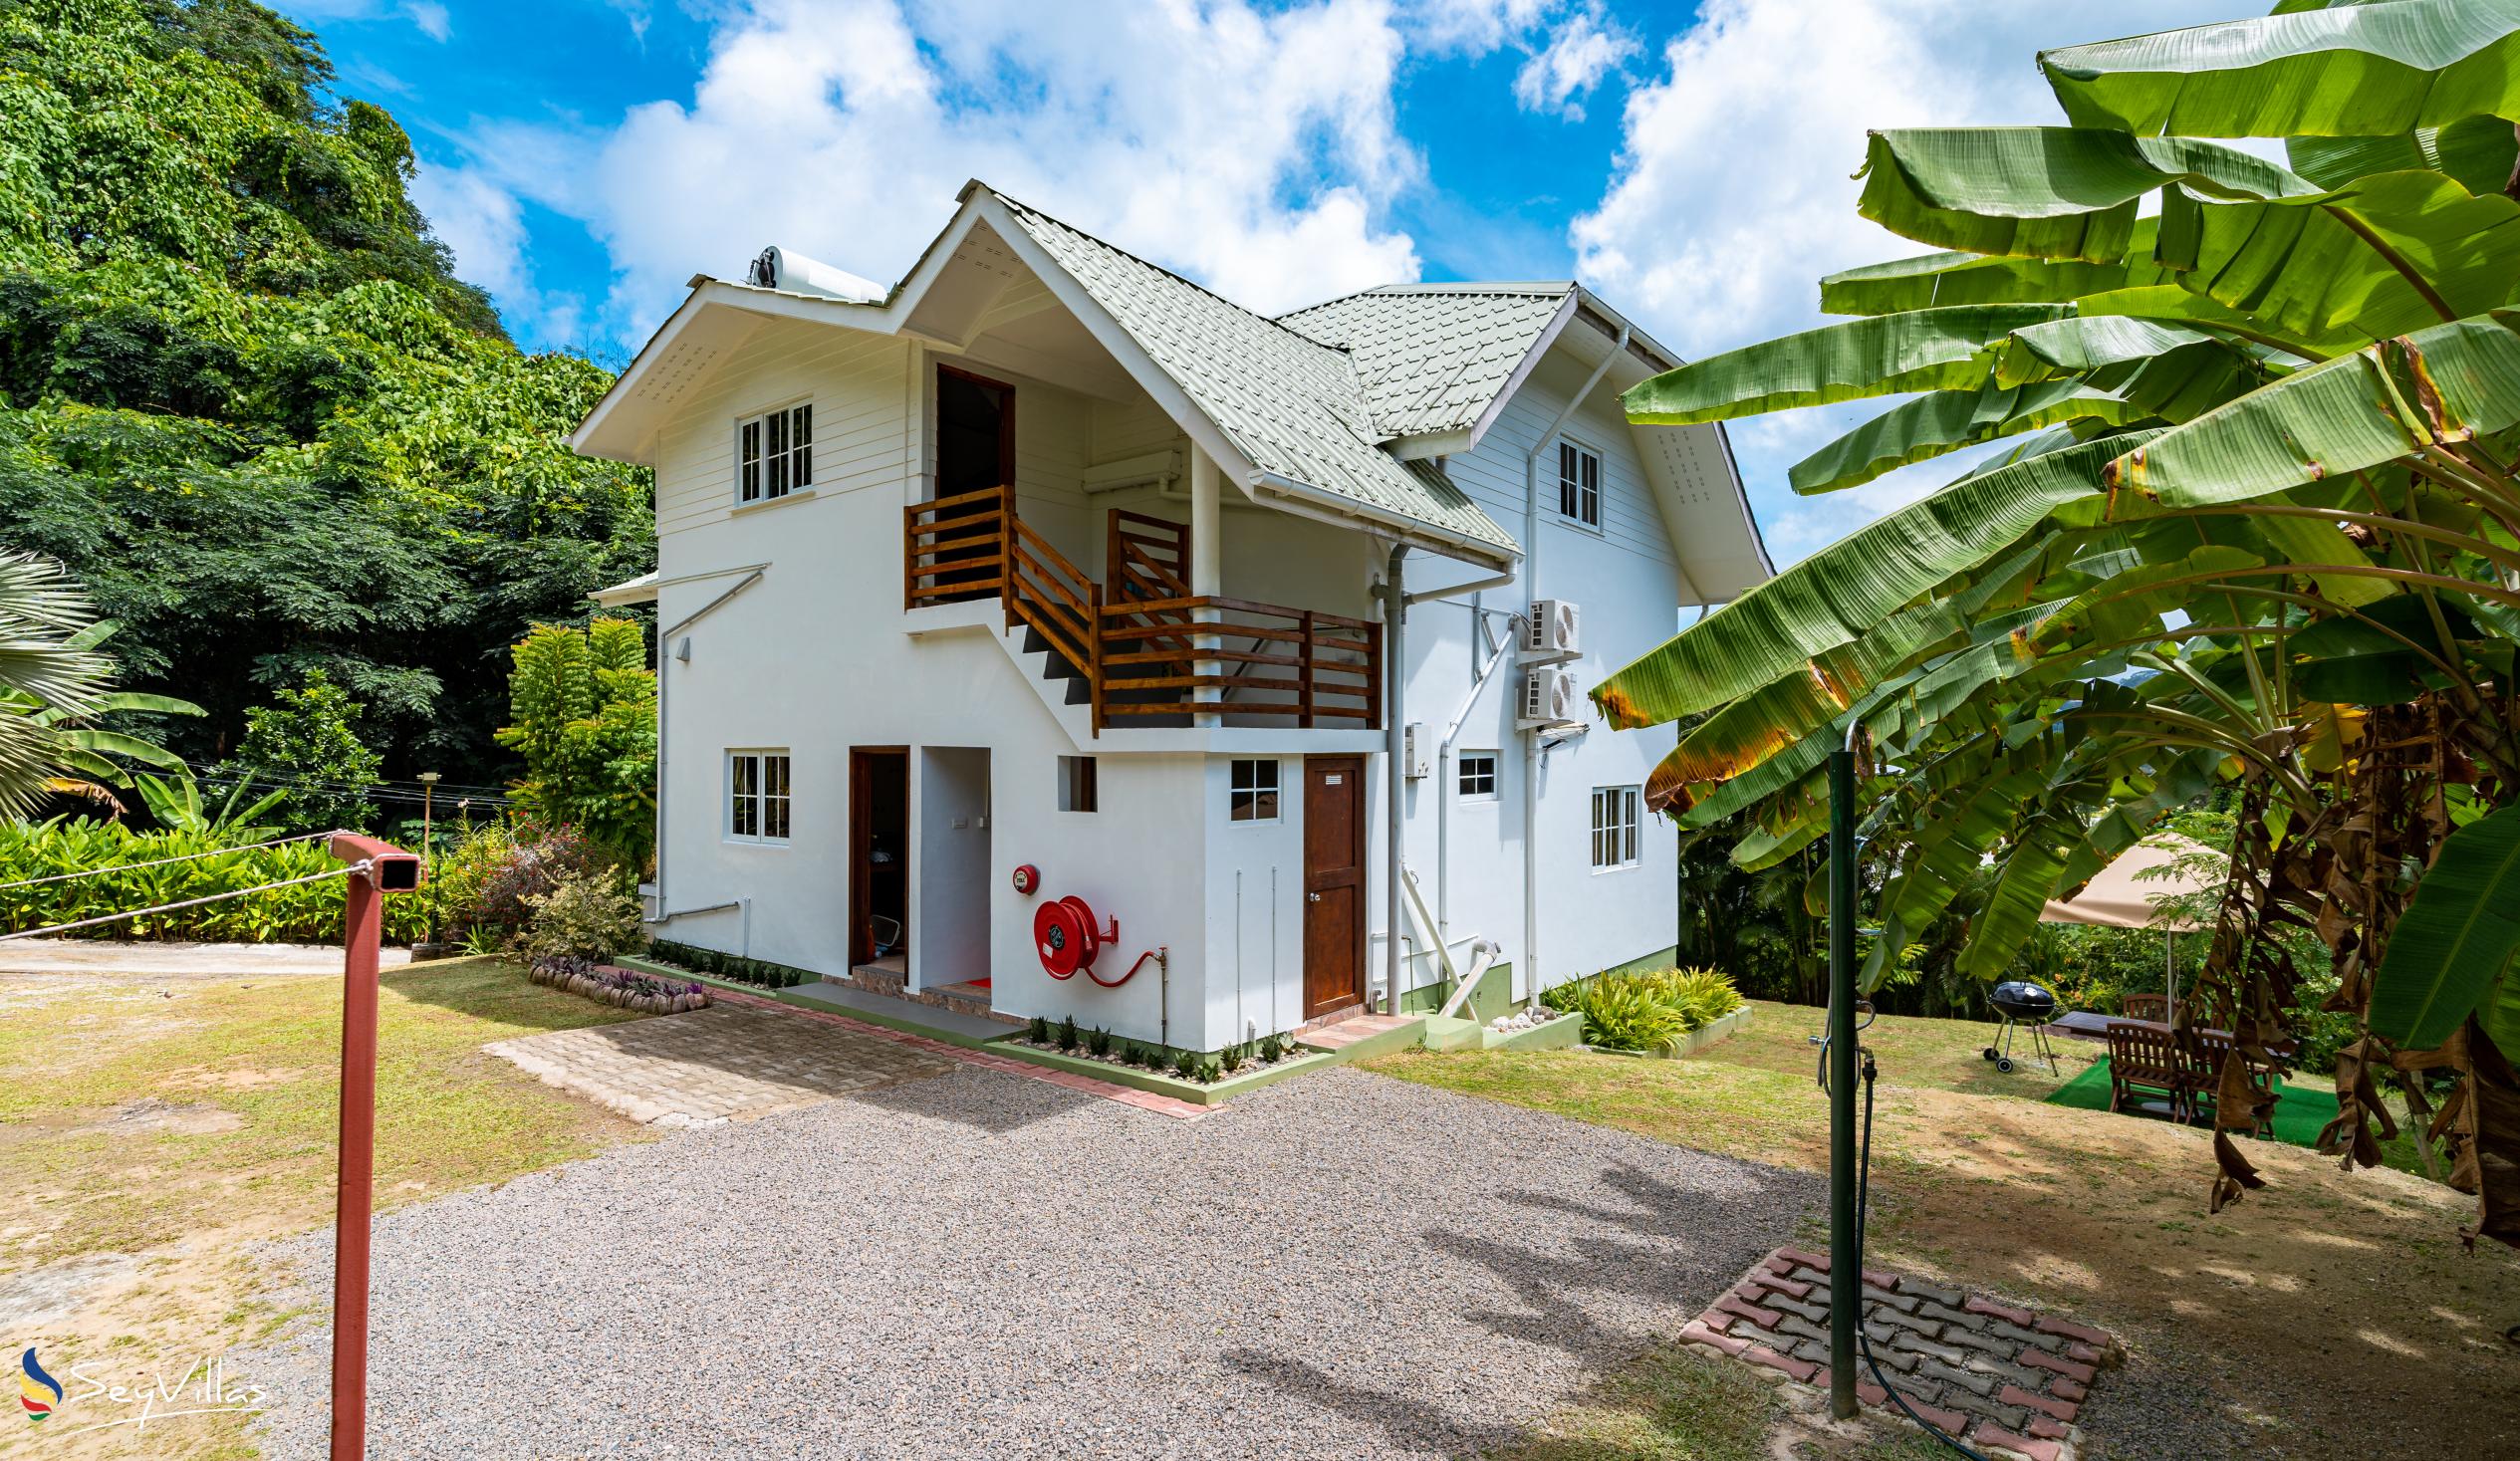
(2170, 971)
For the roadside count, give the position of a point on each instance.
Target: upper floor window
(1614, 826)
(1580, 483)
(1478, 776)
(757, 796)
(1255, 791)
(774, 453)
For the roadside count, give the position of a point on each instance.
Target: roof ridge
(1172, 274)
(1532, 287)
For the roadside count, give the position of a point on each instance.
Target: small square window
(1478, 775)
(773, 455)
(1579, 484)
(1614, 818)
(1076, 784)
(1255, 791)
(757, 798)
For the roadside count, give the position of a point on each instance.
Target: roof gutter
(1475, 549)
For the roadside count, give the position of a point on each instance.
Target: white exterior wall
(818, 656)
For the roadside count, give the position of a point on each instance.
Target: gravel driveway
(1343, 1266)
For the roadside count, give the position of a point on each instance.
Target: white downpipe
(1425, 922)
(1532, 977)
(1206, 566)
(665, 656)
(1395, 722)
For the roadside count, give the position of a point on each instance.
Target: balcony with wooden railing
(1142, 650)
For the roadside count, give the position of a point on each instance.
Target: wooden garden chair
(2143, 1064)
(2154, 1007)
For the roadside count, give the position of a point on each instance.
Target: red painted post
(387, 870)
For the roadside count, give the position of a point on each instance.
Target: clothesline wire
(361, 865)
(304, 837)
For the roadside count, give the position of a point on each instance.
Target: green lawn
(1980, 1182)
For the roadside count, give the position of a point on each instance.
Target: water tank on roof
(777, 268)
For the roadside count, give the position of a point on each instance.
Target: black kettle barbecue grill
(2021, 1003)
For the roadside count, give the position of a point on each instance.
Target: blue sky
(1691, 161)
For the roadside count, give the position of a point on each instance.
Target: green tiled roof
(1433, 356)
(1292, 404)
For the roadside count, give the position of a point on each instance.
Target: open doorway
(975, 452)
(880, 857)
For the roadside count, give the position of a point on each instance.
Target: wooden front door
(1334, 883)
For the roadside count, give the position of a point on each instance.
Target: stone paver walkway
(713, 1064)
(1999, 1375)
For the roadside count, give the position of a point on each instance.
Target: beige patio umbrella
(2119, 898)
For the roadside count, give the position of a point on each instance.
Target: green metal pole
(1846, 1267)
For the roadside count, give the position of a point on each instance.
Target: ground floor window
(757, 796)
(1255, 791)
(1478, 775)
(1614, 826)
(1076, 788)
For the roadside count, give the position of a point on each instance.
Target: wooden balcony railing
(1149, 647)
(1267, 660)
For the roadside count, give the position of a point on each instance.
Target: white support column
(1207, 559)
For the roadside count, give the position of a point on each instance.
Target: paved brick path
(1994, 1373)
(711, 1065)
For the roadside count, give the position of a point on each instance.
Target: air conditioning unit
(1549, 697)
(1550, 633)
(1414, 751)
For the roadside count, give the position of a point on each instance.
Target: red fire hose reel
(1067, 937)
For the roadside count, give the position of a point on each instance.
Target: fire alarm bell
(1027, 879)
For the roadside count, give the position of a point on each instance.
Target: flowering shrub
(491, 876)
(586, 915)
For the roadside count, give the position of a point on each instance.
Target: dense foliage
(2257, 547)
(305, 749)
(310, 912)
(583, 713)
(245, 400)
(1646, 1010)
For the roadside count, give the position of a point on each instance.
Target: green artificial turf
(2300, 1112)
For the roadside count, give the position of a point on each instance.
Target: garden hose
(1862, 1195)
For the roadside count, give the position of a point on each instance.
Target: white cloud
(483, 225)
(1578, 55)
(1732, 195)
(1253, 149)
(430, 16)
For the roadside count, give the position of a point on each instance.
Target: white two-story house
(1052, 635)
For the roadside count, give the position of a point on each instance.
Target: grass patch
(132, 1117)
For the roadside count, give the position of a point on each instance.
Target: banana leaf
(1931, 281)
(1887, 355)
(2352, 71)
(1844, 591)
(1949, 420)
(2380, 256)
(2445, 383)
(2045, 192)
(2028, 878)
(2455, 938)
(2479, 152)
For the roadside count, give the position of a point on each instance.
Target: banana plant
(2261, 498)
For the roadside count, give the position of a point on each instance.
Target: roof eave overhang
(1306, 500)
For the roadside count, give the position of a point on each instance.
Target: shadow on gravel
(995, 1103)
(1411, 1423)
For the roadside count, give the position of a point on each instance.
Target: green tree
(305, 744)
(2256, 537)
(583, 712)
(245, 400)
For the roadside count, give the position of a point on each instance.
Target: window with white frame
(1255, 791)
(757, 796)
(774, 453)
(1579, 484)
(1614, 812)
(1478, 776)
